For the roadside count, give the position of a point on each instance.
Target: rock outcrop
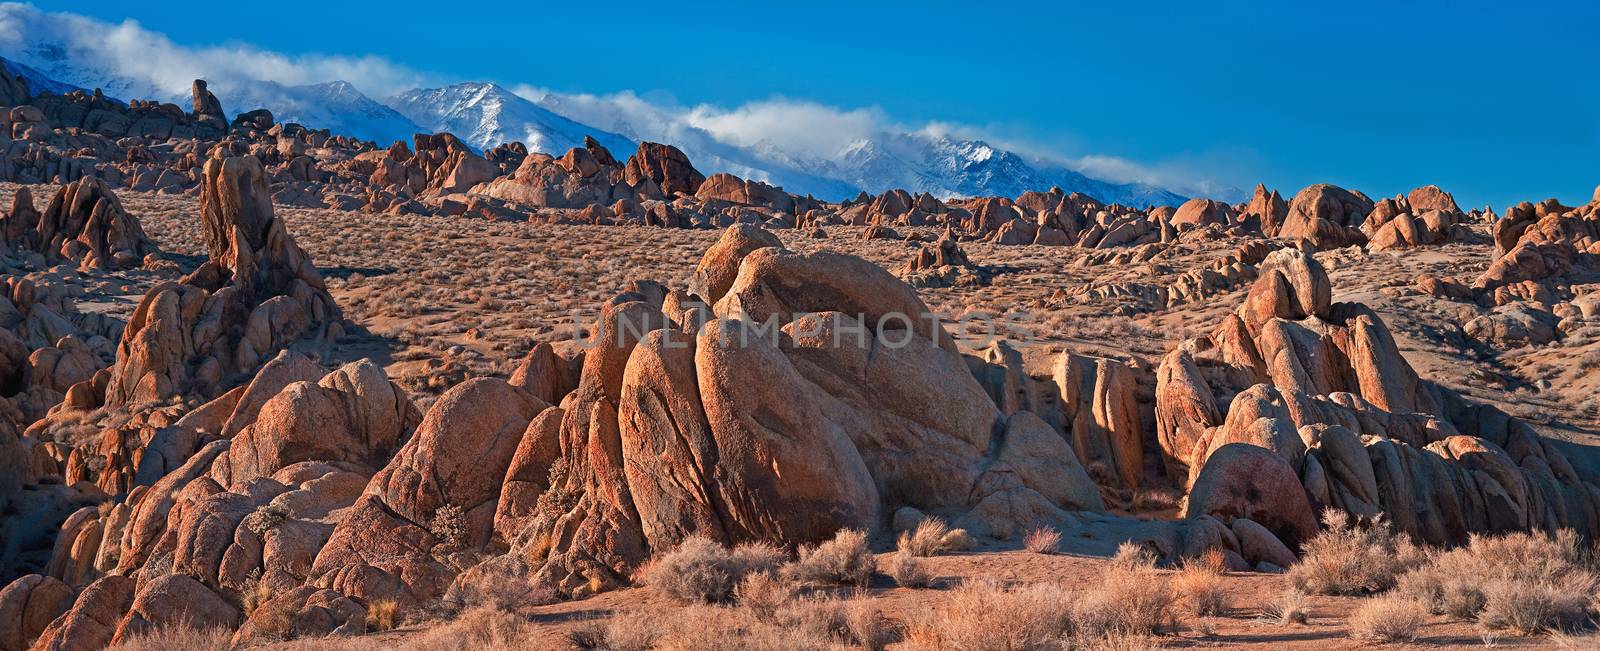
(257, 294)
(1304, 388)
(1326, 216)
(669, 435)
(84, 222)
(665, 166)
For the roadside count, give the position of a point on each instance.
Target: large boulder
(92, 621)
(664, 165)
(1100, 405)
(354, 417)
(720, 264)
(27, 606)
(1326, 216)
(437, 497)
(1241, 480)
(175, 600)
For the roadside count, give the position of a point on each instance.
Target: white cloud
(149, 64)
(802, 128)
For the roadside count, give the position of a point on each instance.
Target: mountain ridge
(485, 114)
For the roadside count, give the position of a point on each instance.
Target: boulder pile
(1296, 403)
(84, 223)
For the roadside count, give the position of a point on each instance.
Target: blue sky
(1494, 102)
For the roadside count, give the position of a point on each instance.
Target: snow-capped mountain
(946, 167)
(484, 115)
(37, 81)
(336, 106)
(708, 154)
(50, 59)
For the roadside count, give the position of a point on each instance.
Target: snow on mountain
(946, 167)
(708, 154)
(37, 81)
(336, 106)
(484, 115)
(50, 59)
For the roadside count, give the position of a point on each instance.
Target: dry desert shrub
(764, 595)
(1132, 599)
(1132, 555)
(1043, 540)
(932, 536)
(257, 594)
(1199, 589)
(178, 637)
(844, 560)
(449, 526)
(1352, 556)
(382, 614)
(1528, 582)
(265, 517)
(1530, 607)
(804, 624)
(984, 615)
(1155, 499)
(499, 588)
(1387, 619)
(1292, 608)
(700, 570)
(624, 632)
(1572, 641)
(478, 629)
(907, 571)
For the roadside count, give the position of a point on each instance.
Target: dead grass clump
(1043, 540)
(844, 560)
(1352, 556)
(764, 594)
(1293, 607)
(907, 571)
(932, 536)
(1528, 582)
(855, 622)
(987, 615)
(1132, 599)
(700, 570)
(479, 629)
(382, 614)
(804, 624)
(1387, 619)
(1198, 587)
(623, 632)
(1529, 607)
(1131, 555)
(499, 587)
(178, 637)
(257, 594)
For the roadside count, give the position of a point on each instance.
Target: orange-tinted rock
(666, 166)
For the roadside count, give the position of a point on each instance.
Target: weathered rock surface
(1323, 411)
(257, 294)
(84, 223)
(670, 434)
